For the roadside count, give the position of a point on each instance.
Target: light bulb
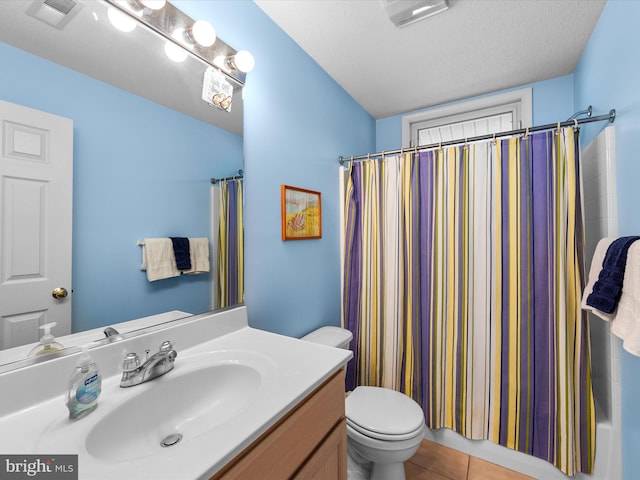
(243, 61)
(174, 52)
(120, 20)
(203, 33)
(153, 4)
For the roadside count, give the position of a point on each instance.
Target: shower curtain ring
(575, 124)
(558, 129)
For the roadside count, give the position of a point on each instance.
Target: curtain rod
(235, 177)
(521, 131)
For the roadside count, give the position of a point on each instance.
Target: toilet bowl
(384, 427)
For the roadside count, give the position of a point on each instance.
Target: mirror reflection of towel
(181, 252)
(199, 255)
(158, 259)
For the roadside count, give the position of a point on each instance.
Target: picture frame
(301, 213)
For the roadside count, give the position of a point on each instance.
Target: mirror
(145, 148)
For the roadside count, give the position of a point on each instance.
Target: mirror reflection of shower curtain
(463, 271)
(230, 241)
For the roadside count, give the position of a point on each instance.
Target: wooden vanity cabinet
(309, 443)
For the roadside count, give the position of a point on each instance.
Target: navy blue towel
(181, 252)
(608, 288)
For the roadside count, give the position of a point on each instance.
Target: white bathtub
(607, 465)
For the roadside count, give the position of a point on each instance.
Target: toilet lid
(383, 412)
(351, 427)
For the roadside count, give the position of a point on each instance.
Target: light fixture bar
(167, 20)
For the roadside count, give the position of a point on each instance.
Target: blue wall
(140, 170)
(298, 121)
(608, 76)
(552, 101)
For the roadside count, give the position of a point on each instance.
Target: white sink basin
(187, 403)
(203, 393)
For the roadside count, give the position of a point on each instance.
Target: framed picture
(301, 213)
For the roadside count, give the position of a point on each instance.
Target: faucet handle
(166, 346)
(131, 362)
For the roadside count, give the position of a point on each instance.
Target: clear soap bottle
(85, 385)
(47, 343)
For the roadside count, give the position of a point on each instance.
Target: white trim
(342, 184)
(520, 101)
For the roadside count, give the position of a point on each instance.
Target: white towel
(199, 251)
(158, 259)
(625, 321)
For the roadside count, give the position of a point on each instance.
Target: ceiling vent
(57, 13)
(406, 12)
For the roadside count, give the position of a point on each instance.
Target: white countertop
(291, 368)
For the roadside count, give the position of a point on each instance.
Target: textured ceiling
(475, 47)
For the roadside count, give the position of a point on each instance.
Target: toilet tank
(330, 336)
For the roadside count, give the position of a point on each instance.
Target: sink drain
(171, 440)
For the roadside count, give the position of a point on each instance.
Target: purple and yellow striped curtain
(462, 281)
(230, 244)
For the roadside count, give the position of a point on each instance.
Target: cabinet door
(330, 459)
(291, 443)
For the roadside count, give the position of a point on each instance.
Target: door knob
(59, 292)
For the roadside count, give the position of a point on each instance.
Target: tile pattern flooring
(436, 462)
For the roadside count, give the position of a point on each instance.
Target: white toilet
(384, 427)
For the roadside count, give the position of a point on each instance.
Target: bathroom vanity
(243, 403)
(310, 442)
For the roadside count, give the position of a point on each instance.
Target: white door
(36, 184)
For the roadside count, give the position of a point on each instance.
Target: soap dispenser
(85, 385)
(47, 343)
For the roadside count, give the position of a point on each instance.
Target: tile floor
(436, 462)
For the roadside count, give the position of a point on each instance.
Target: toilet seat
(385, 436)
(383, 414)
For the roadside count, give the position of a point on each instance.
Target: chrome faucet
(112, 334)
(154, 366)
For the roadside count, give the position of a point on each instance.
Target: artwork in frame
(301, 213)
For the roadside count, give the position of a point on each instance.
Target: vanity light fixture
(242, 61)
(202, 33)
(184, 36)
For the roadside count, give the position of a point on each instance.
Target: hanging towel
(199, 249)
(608, 288)
(625, 321)
(594, 272)
(181, 252)
(158, 259)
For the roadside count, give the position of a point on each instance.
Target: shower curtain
(463, 273)
(230, 244)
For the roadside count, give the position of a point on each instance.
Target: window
(497, 113)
